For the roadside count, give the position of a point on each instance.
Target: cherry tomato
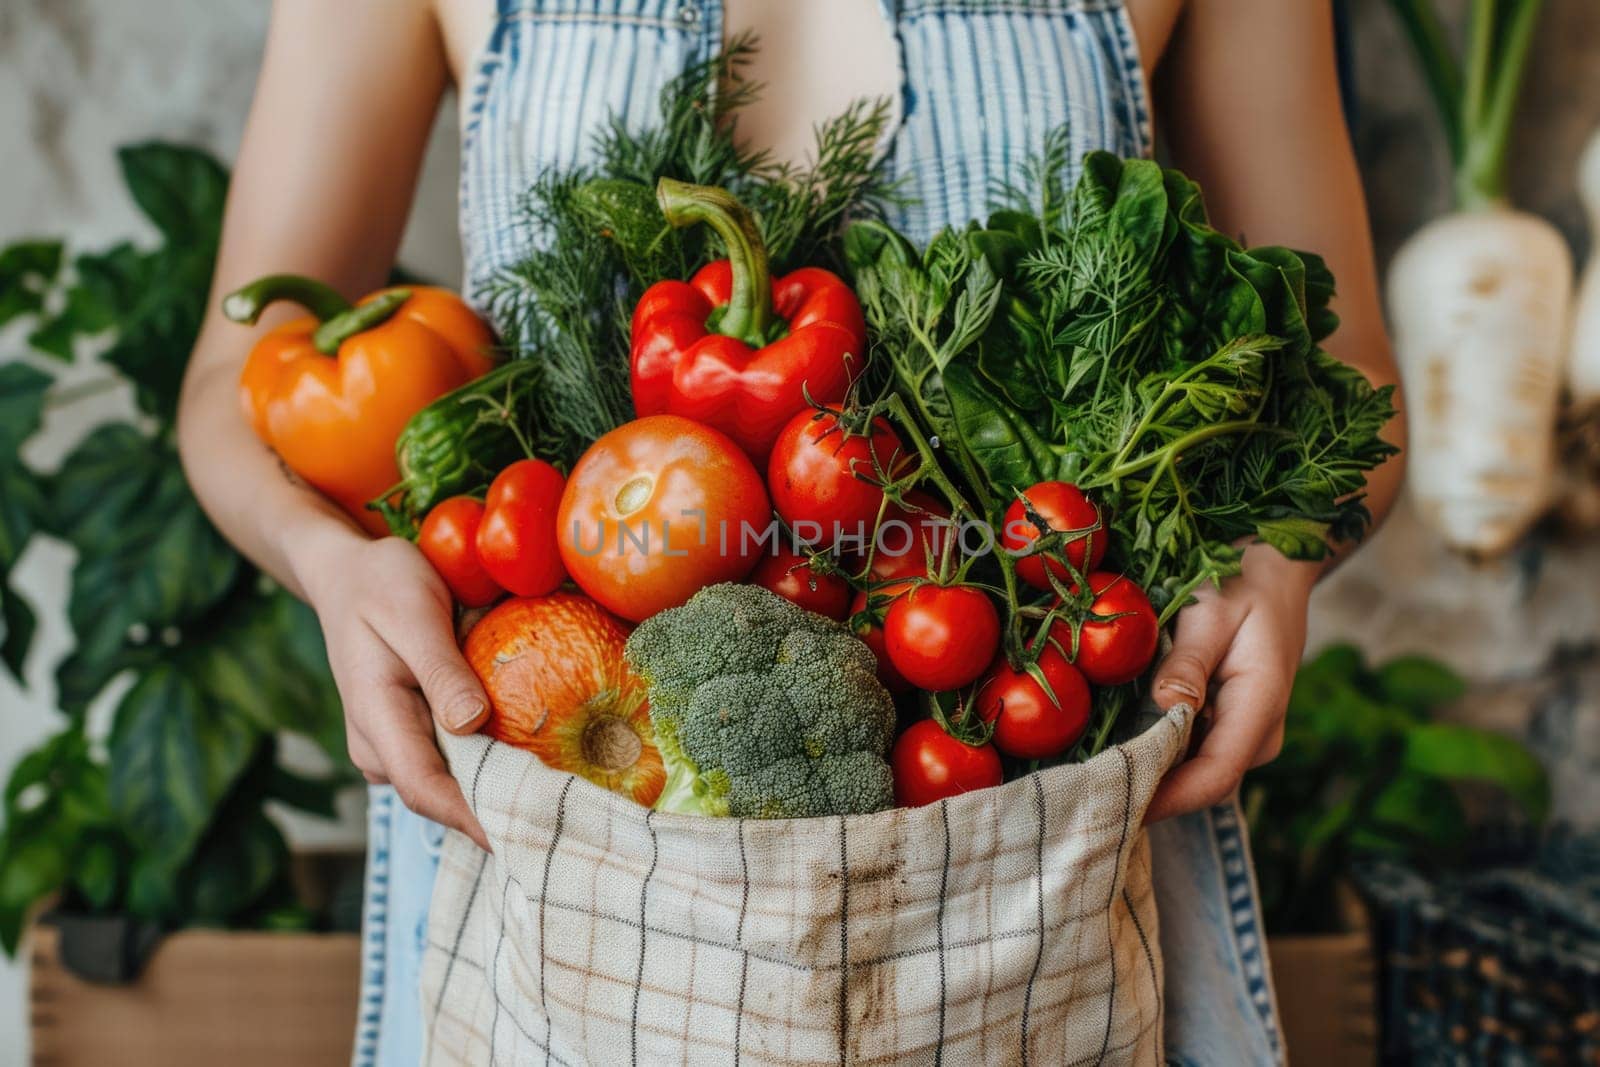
(868, 625)
(816, 476)
(930, 765)
(1115, 650)
(449, 541)
(789, 574)
(903, 551)
(942, 637)
(656, 510)
(1063, 507)
(517, 540)
(1031, 723)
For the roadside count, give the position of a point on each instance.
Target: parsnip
(1583, 370)
(1480, 301)
(1478, 304)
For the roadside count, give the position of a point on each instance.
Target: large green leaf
(174, 756)
(22, 393)
(149, 560)
(27, 271)
(266, 663)
(180, 189)
(1419, 683)
(1452, 752)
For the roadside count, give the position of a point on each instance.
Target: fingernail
(1182, 688)
(461, 715)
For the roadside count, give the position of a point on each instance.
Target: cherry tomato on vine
(1064, 507)
(449, 540)
(942, 636)
(656, 510)
(821, 479)
(909, 536)
(1118, 649)
(930, 765)
(868, 625)
(789, 574)
(1029, 722)
(517, 539)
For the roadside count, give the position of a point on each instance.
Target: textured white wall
(78, 78)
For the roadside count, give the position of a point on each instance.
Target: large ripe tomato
(789, 574)
(559, 687)
(942, 637)
(1031, 723)
(656, 510)
(1118, 648)
(818, 476)
(868, 625)
(449, 540)
(909, 536)
(1064, 507)
(517, 539)
(930, 765)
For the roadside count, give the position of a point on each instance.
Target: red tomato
(942, 637)
(449, 541)
(930, 765)
(869, 627)
(656, 510)
(1063, 507)
(789, 575)
(1116, 650)
(816, 476)
(903, 550)
(517, 541)
(1031, 723)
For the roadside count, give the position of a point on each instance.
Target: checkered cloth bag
(1010, 925)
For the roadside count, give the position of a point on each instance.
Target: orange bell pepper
(330, 393)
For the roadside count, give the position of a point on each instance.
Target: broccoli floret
(762, 709)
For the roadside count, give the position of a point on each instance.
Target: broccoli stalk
(762, 709)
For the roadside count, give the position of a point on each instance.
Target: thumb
(1198, 645)
(452, 691)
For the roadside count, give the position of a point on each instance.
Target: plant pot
(241, 998)
(1326, 998)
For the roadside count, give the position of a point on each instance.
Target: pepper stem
(749, 313)
(246, 305)
(335, 331)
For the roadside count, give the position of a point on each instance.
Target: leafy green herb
(1137, 352)
(602, 239)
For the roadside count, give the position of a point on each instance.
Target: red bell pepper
(734, 348)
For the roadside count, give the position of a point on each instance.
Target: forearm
(258, 504)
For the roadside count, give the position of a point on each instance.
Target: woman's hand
(1237, 649)
(386, 617)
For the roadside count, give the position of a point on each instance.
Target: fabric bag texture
(1009, 925)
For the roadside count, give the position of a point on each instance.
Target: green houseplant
(1366, 771)
(160, 817)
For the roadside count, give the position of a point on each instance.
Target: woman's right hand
(387, 619)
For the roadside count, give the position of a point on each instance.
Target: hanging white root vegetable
(1583, 369)
(1479, 303)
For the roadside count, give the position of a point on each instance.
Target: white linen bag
(1009, 925)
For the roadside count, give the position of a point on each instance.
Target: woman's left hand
(1236, 649)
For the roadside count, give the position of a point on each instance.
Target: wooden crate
(206, 997)
(1327, 998)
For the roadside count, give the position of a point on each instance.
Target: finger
(427, 647)
(412, 761)
(1248, 712)
(1198, 645)
(362, 754)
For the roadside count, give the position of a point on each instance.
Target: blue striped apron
(982, 83)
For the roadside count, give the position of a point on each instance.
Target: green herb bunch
(602, 239)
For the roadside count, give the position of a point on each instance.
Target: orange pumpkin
(559, 687)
